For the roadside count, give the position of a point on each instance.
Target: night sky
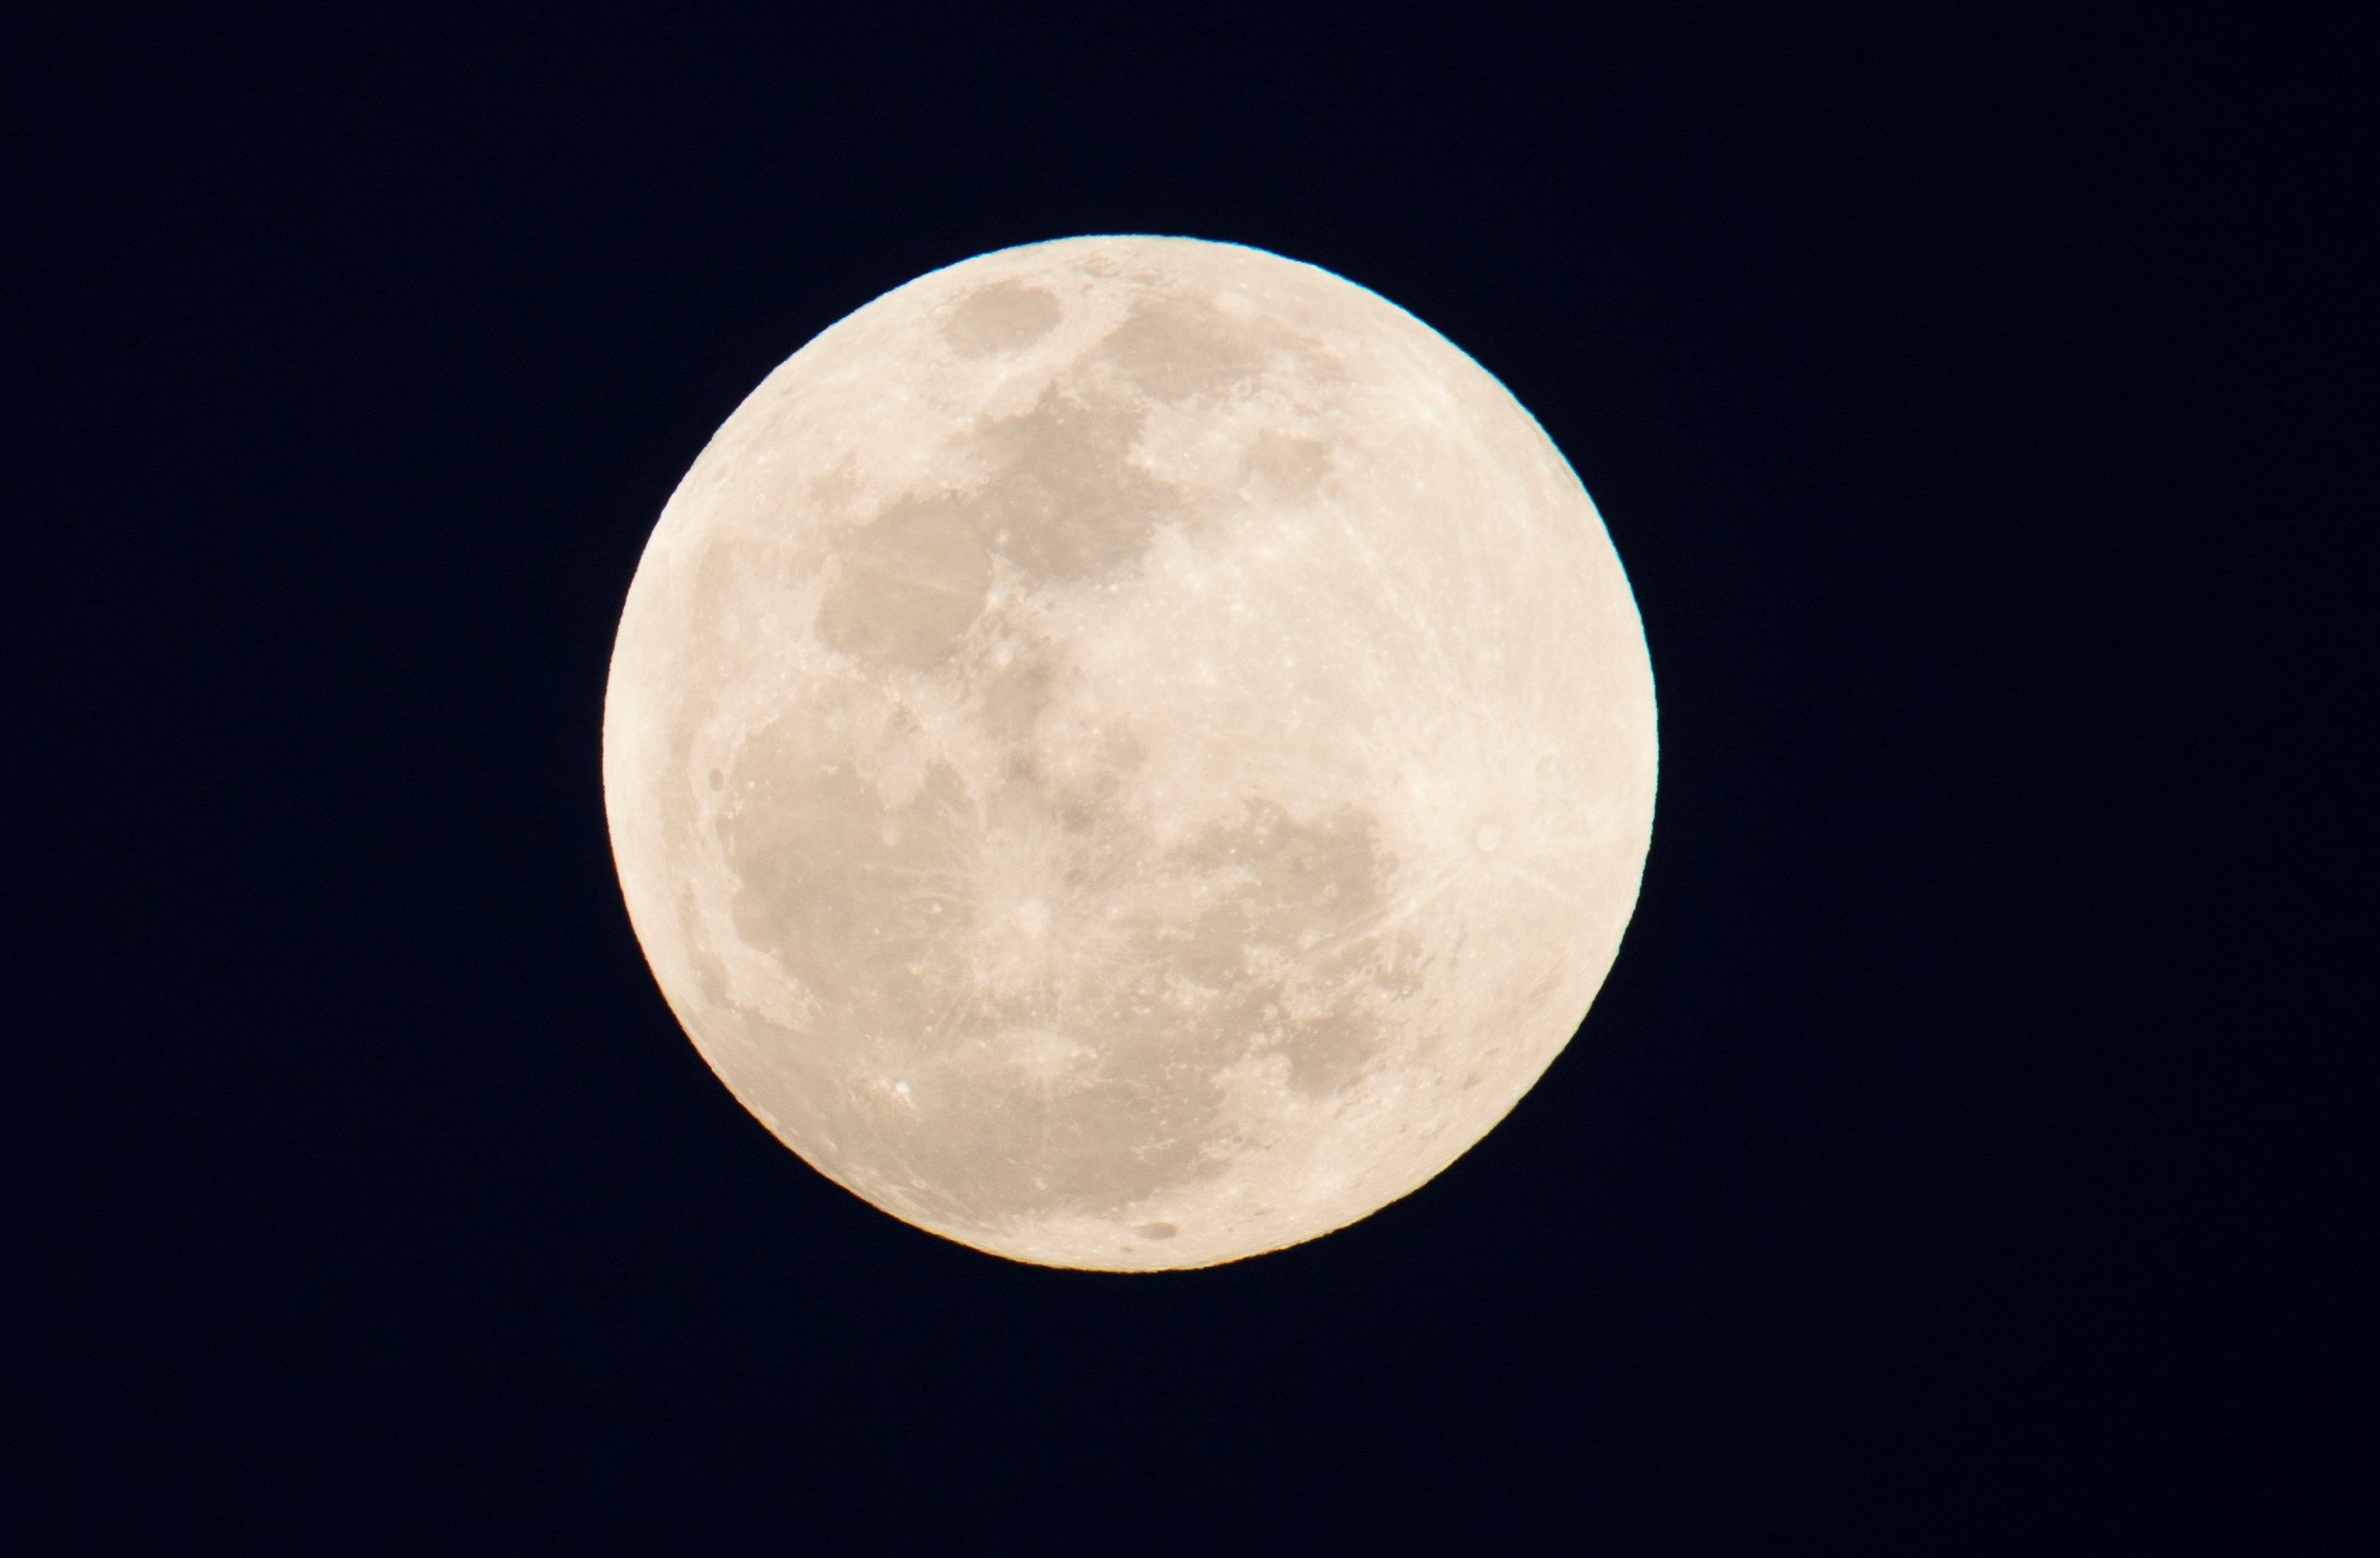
(1955, 1160)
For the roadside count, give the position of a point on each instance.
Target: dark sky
(1955, 1161)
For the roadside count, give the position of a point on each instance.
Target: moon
(1130, 752)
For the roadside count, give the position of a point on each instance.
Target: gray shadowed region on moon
(1130, 752)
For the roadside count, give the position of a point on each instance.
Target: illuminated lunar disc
(1129, 752)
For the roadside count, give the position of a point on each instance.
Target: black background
(1957, 1158)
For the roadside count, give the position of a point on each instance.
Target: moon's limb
(1130, 752)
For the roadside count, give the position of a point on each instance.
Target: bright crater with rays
(1130, 752)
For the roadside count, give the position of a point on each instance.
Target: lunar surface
(1130, 752)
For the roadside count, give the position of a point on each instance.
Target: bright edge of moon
(1130, 752)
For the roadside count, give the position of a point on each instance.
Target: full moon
(1129, 752)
